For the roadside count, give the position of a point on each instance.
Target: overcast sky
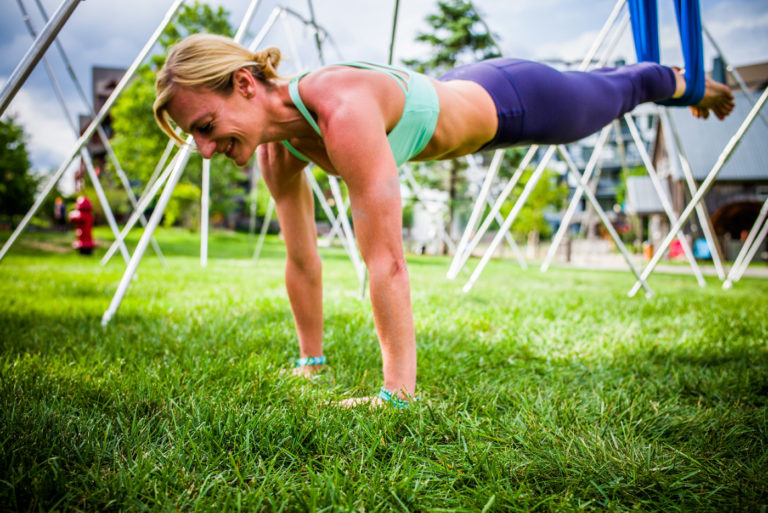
(112, 32)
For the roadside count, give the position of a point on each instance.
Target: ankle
(679, 81)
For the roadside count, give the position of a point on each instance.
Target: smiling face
(219, 124)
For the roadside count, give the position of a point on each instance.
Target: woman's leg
(539, 104)
(567, 106)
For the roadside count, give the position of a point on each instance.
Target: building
(104, 81)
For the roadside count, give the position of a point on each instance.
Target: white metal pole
(84, 155)
(143, 204)
(750, 254)
(584, 186)
(86, 136)
(703, 188)
(181, 161)
(701, 211)
(510, 185)
(740, 258)
(734, 72)
(577, 193)
(154, 220)
(249, 13)
(100, 131)
(499, 219)
(204, 199)
(264, 228)
(477, 210)
(666, 205)
(529, 186)
(36, 51)
(105, 204)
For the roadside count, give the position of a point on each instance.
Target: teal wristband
(310, 360)
(391, 397)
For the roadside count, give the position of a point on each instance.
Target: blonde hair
(208, 61)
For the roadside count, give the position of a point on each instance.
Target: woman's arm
(284, 176)
(355, 138)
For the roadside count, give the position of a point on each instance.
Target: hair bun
(274, 56)
(268, 59)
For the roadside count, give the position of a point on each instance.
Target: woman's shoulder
(338, 91)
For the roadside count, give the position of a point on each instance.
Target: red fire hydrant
(82, 217)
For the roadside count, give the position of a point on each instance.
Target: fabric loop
(645, 33)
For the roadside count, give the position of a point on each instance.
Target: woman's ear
(244, 83)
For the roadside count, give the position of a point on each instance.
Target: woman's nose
(205, 146)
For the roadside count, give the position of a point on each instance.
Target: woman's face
(219, 124)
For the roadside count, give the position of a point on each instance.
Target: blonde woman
(360, 121)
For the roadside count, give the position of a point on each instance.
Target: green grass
(538, 391)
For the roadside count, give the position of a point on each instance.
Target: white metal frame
(703, 188)
(100, 131)
(88, 133)
(461, 259)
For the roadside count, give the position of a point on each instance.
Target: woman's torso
(466, 119)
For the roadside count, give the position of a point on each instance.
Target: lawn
(537, 391)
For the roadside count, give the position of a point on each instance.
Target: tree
(459, 36)
(17, 184)
(549, 194)
(139, 142)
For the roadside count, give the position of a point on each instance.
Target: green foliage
(184, 206)
(139, 142)
(193, 19)
(538, 391)
(17, 184)
(549, 195)
(459, 36)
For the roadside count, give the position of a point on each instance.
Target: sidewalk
(616, 262)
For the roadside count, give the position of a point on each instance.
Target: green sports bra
(417, 123)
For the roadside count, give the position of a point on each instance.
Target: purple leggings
(537, 104)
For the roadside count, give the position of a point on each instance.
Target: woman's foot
(385, 397)
(354, 402)
(305, 371)
(306, 367)
(718, 98)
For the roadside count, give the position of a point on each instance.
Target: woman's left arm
(357, 146)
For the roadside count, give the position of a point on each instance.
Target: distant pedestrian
(60, 214)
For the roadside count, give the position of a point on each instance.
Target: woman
(361, 121)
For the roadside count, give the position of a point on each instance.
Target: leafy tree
(139, 142)
(17, 185)
(458, 36)
(549, 194)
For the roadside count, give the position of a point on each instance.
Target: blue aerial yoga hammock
(645, 31)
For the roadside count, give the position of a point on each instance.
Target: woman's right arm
(284, 176)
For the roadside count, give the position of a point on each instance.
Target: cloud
(49, 136)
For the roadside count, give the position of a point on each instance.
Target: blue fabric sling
(645, 32)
